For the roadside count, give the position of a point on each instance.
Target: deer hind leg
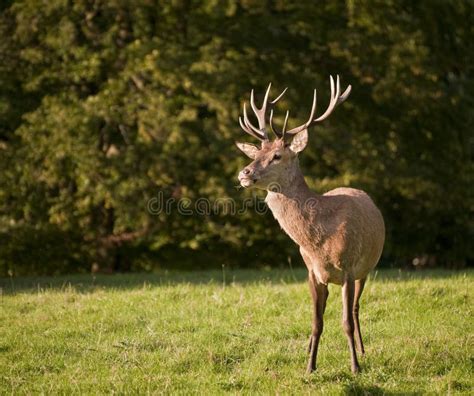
(358, 289)
(348, 289)
(319, 294)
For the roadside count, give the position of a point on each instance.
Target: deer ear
(299, 141)
(249, 149)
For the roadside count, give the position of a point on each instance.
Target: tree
(106, 104)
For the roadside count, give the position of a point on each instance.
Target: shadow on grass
(355, 389)
(86, 283)
(353, 386)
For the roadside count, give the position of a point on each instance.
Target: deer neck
(292, 187)
(295, 206)
(292, 203)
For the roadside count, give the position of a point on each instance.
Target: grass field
(231, 332)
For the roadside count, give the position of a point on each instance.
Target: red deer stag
(340, 234)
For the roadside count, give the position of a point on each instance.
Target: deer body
(340, 234)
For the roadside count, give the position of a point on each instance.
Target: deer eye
(276, 157)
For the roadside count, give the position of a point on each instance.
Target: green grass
(198, 333)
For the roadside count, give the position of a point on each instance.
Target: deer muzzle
(247, 177)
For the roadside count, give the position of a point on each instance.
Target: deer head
(276, 161)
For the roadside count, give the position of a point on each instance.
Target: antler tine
(265, 100)
(260, 112)
(310, 119)
(248, 130)
(285, 123)
(345, 95)
(248, 127)
(275, 132)
(313, 107)
(278, 134)
(273, 102)
(248, 124)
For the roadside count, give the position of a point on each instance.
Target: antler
(260, 132)
(336, 99)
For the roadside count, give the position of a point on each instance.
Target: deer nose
(246, 173)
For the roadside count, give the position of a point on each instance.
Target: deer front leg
(319, 294)
(348, 320)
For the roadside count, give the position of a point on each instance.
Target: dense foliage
(105, 105)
